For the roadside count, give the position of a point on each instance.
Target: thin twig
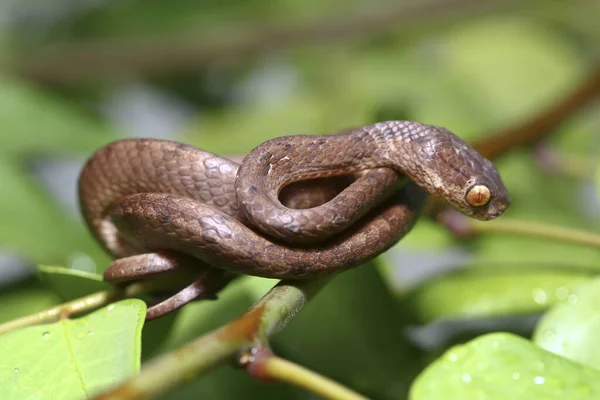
(536, 229)
(85, 303)
(64, 310)
(267, 317)
(287, 371)
(74, 63)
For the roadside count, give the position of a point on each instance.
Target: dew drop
(452, 357)
(540, 365)
(516, 376)
(549, 335)
(16, 369)
(466, 378)
(573, 299)
(46, 336)
(561, 293)
(482, 395)
(539, 380)
(111, 307)
(82, 262)
(90, 333)
(539, 296)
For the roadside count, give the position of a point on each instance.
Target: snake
(284, 212)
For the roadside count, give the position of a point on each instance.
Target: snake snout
(496, 208)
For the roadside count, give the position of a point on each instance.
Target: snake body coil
(146, 200)
(432, 157)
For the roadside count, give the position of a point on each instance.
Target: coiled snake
(159, 205)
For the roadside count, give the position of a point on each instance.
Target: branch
(539, 230)
(64, 310)
(90, 302)
(279, 305)
(267, 317)
(533, 130)
(94, 60)
(468, 228)
(273, 367)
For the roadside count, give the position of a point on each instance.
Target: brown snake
(160, 206)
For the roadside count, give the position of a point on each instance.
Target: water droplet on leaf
(562, 293)
(539, 296)
(540, 365)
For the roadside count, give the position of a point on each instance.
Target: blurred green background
(225, 76)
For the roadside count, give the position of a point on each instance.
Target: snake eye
(478, 195)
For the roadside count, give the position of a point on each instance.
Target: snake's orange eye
(478, 195)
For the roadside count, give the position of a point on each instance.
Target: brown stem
(541, 125)
(283, 370)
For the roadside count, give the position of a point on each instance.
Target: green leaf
(242, 128)
(71, 284)
(498, 57)
(354, 313)
(571, 327)
(507, 291)
(57, 126)
(503, 366)
(34, 226)
(72, 359)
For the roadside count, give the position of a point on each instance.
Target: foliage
(474, 74)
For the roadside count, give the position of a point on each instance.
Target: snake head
(483, 198)
(461, 176)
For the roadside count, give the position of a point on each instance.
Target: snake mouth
(494, 211)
